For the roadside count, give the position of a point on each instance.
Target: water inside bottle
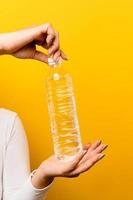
(63, 117)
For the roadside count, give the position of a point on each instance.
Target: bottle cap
(52, 63)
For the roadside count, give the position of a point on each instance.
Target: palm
(80, 164)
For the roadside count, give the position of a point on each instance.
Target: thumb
(72, 164)
(40, 56)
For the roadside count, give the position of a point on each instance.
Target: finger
(92, 151)
(50, 39)
(73, 176)
(95, 144)
(40, 40)
(56, 56)
(55, 45)
(86, 146)
(89, 154)
(72, 164)
(64, 56)
(40, 56)
(47, 29)
(49, 32)
(87, 165)
(100, 148)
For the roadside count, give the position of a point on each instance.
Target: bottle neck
(54, 64)
(56, 70)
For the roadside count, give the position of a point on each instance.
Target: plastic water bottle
(62, 110)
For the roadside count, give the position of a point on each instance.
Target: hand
(52, 167)
(22, 44)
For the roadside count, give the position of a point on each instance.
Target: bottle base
(66, 158)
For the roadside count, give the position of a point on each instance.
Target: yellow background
(98, 38)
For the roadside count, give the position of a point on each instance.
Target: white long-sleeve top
(15, 176)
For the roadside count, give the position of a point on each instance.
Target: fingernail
(105, 146)
(99, 141)
(57, 59)
(101, 156)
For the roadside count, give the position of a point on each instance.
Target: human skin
(22, 44)
(84, 160)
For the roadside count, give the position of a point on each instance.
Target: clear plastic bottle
(62, 110)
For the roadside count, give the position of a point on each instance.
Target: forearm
(6, 43)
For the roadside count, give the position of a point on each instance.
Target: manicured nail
(101, 156)
(105, 146)
(57, 59)
(99, 141)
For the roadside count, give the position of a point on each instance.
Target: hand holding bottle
(22, 44)
(52, 167)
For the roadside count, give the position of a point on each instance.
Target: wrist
(40, 180)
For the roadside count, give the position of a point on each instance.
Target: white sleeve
(16, 176)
